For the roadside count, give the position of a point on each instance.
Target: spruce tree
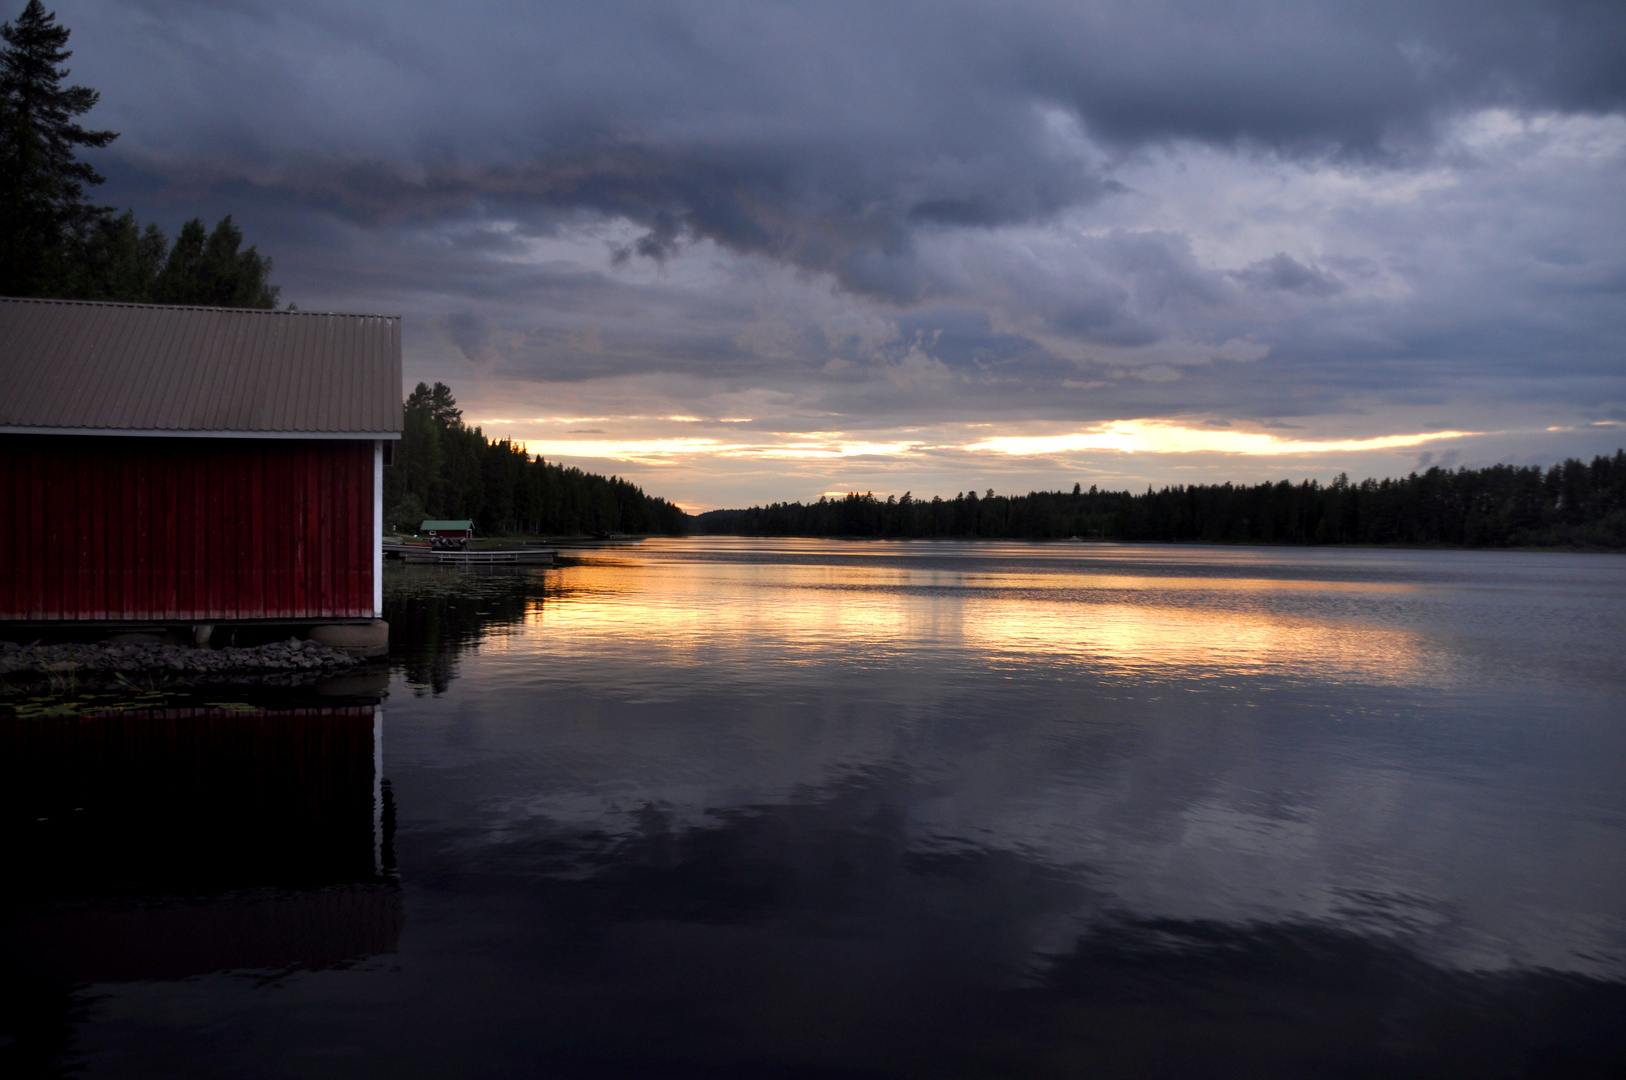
(210, 270)
(42, 184)
(119, 260)
(53, 240)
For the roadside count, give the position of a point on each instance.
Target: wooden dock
(418, 553)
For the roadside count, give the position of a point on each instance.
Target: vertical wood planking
(277, 547)
(10, 553)
(255, 541)
(184, 529)
(48, 529)
(324, 534)
(221, 532)
(99, 481)
(350, 562)
(84, 533)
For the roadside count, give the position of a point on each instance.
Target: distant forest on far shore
(446, 469)
(1569, 505)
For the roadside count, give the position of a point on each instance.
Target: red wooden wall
(185, 529)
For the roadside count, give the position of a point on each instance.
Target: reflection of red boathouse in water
(168, 843)
(192, 465)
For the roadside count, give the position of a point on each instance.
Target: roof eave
(21, 429)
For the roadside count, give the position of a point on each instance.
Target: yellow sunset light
(1127, 436)
(623, 449)
(1134, 436)
(656, 449)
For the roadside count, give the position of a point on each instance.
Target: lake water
(794, 808)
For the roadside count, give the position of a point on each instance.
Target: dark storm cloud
(825, 135)
(1283, 272)
(1315, 77)
(965, 338)
(876, 214)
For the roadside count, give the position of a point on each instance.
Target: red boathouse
(193, 465)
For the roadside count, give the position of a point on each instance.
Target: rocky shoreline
(285, 661)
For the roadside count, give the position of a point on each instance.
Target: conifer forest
(445, 469)
(1574, 504)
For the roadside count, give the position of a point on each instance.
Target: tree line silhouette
(54, 241)
(446, 469)
(1574, 504)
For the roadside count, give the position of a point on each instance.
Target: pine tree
(53, 240)
(208, 269)
(42, 184)
(437, 403)
(120, 260)
(232, 277)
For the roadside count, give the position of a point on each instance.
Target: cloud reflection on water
(826, 930)
(816, 808)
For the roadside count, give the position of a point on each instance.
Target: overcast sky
(753, 251)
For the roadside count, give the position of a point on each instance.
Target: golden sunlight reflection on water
(874, 610)
(1164, 639)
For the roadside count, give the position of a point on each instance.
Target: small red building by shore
(448, 534)
(192, 465)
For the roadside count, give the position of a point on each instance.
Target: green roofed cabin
(448, 534)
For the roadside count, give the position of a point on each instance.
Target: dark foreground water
(804, 809)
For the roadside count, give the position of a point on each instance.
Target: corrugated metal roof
(146, 368)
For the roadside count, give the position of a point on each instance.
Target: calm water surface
(716, 807)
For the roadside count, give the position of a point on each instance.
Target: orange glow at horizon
(1135, 436)
(655, 450)
(1120, 436)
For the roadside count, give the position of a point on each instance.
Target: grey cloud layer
(909, 153)
(821, 133)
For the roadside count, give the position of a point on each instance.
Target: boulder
(358, 639)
